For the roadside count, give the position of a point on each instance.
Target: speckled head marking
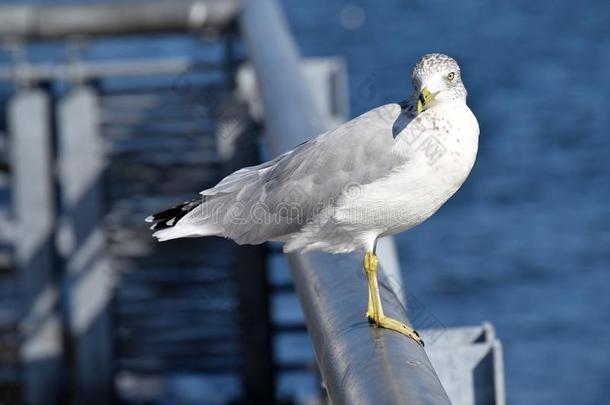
(436, 77)
(431, 64)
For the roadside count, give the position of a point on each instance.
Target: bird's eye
(451, 76)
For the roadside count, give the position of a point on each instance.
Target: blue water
(525, 244)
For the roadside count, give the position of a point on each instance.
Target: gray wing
(277, 198)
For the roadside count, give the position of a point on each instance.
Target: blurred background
(524, 244)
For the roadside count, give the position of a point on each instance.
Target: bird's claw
(392, 324)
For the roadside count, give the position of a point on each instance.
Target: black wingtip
(169, 217)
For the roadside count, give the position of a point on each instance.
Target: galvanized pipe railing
(360, 364)
(60, 21)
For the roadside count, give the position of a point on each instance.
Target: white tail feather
(186, 231)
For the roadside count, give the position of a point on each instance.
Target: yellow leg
(370, 311)
(375, 311)
(370, 261)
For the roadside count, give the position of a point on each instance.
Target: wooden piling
(88, 277)
(33, 206)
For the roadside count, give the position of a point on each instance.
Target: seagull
(383, 172)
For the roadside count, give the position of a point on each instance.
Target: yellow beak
(425, 97)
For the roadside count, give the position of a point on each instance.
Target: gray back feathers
(277, 198)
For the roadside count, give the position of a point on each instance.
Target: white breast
(441, 144)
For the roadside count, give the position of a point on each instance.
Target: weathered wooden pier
(95, 311)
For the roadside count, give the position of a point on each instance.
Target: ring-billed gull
(381, 173)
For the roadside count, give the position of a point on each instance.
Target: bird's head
(436, 77)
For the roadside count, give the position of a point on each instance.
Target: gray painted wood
(33, 207)
(469, 363)
(61, 21)
(89, 277)
(237, 144)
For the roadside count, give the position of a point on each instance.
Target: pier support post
(34, 209)
(238, 146)
(88, 277)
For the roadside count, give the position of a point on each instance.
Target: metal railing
(359, 364)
